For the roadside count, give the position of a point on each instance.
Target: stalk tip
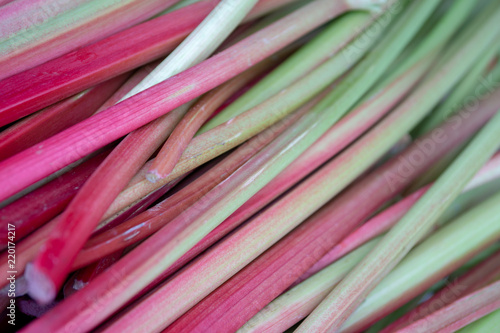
(40, 287)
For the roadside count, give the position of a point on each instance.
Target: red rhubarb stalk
(152, 220)
(83, 276)
(62, 34)
(90, 65)
(71, 73)
(56, 118)
(95, 132)
(24, 14)
(36, 208)
(54, 261)
(171, 152)
(266, 277)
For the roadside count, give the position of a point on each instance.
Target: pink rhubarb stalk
(55, 118)
(171, 152)
(152, 220)
(273, 272)
(63, 34)
(36, 208)
(54, 262)
(463, 285)
(70, 145)
(459, 313)
(85, 67)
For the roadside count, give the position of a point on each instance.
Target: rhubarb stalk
(344, 299)
(53, 263)
(95, 132)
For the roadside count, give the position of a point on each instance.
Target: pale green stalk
(461, 94)
(347, 296)
(223, 138)
(335, 36)
(298, 302)
(468, 234)
(295, 304)
(489, 323)
(483, 87)
(200, 44)
(263, 167)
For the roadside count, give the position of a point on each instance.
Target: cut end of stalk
(40, 287)
(153, 176)
(375, 6)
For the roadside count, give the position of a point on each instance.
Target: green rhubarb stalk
(346, 297)
(487, 84)
(457, 242)
(466, 93)
(223, 138)
(459, 313)
(329, 42)
(488, 323)
(298, 302)
(261, 169)
(45, 276)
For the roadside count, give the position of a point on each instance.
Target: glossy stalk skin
(459, 313)
(36, 208)
(100, 19)
(94, 132)
(55, 118)
(83, 68)
(183, 133)
(416, 273)
(153, 219)
(50, 268)
(270, 274)
(470, 281)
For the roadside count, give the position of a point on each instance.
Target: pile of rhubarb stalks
(250, 165)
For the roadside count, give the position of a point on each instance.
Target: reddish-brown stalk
(237, 300)
(33, 164)
(52, 120)
(474, 279)
(171, 152)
